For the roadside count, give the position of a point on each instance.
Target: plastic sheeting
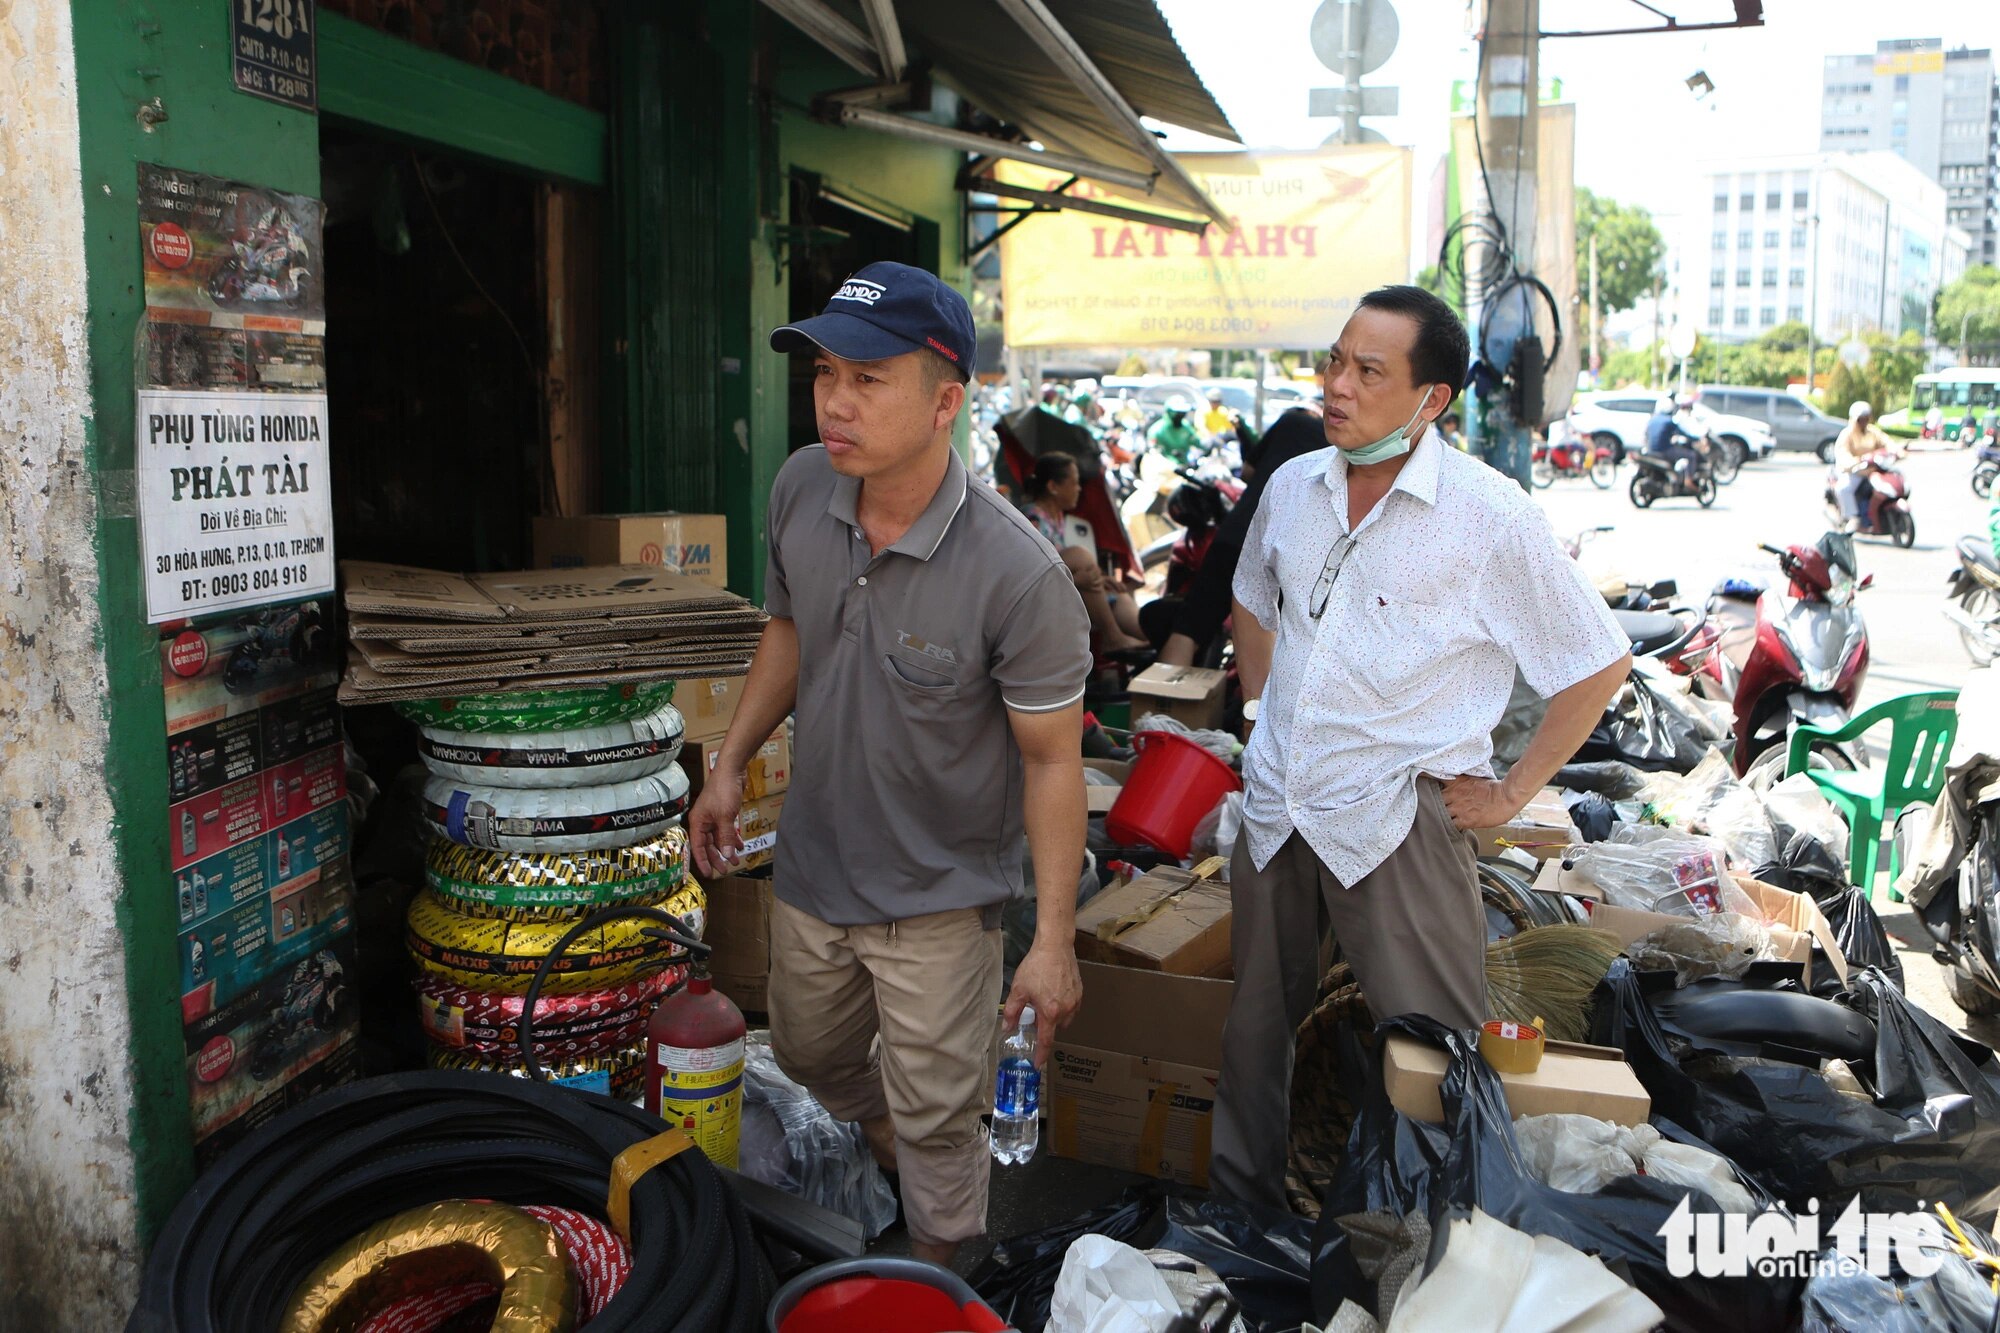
(1261, 1255)
(1395, 1165)
(1655, 724)
(1931, 1133)
(814, 1156)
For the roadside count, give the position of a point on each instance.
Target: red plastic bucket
(880, 1295)
(1174, 782)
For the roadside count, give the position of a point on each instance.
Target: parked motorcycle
(1619, 592)
(1660, 479)
(1885, 500)
(1974, 590)
(1573, 457)
(1783, 660)
(1985, 470)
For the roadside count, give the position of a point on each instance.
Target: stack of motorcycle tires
(563, 803)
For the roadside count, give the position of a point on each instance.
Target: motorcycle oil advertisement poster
(258, 862)
(235, 505)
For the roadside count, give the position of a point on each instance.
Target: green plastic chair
(1871, 799)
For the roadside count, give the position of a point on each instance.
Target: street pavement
(1780, 501)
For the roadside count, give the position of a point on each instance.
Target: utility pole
(1596, 334)
(1509, 118)
(1350, 71)
(1654, 359)
(1812, 292)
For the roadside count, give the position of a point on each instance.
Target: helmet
(1665, 404)
(1084, 397)
(1194, 506)
(1215, 395)
(1859, 409)
(1084, 389)
(1179, 403)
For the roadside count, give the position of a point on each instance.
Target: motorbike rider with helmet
(1083, 409)
(1174, 435)
(1666, 439)
(1851, 452)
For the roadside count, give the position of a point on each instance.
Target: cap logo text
(860, 289)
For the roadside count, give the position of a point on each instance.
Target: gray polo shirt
(906, 782)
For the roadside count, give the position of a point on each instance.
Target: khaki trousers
(1412, 929)
(898, 1020)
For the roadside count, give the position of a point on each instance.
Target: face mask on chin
(1393, 445)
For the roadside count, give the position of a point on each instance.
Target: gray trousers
(1412, 929)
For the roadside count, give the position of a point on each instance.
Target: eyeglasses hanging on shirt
(1336, 556)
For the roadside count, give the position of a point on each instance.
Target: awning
(1073, 75)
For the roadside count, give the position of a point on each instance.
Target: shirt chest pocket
(1401, 640)
(921, 687)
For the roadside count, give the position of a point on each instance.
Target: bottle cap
(1028, 1016)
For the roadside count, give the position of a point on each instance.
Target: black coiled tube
(254, 1225)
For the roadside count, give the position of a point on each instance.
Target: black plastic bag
(1861, 936)
(1647, 729)
(1397, 1165)
(1612, 779)
(1932, 1133)
(1019, 1276)
(1262, 1255)
(1594, 816)
(1958, 1298)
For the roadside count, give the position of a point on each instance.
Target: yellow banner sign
(1314, 232)
(1911, 62)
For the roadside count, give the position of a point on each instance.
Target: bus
(1968, 391)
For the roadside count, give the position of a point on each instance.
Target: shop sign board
(235, 499)
(274, 51)
(230, 424)
(1314, 231)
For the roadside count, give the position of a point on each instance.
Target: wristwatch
(1250, 710)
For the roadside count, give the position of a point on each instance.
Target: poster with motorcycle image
(231, 442)
(258, 844)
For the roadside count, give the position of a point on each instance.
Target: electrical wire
(669, 927)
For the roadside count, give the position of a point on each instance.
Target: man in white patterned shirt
(1389, 588)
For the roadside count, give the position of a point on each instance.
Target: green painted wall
(128, 55)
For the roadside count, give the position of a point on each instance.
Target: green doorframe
(174, 57)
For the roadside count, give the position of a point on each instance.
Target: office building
(1936, 109)
(1848, 241)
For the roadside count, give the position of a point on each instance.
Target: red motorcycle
(1780, 661)
(1573, 457)
(1885, 500)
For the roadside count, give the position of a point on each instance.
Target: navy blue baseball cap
(887, 310)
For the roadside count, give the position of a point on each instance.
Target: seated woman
(1054, 487)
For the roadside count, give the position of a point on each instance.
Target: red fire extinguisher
(694, 1065)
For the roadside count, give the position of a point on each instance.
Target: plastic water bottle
(1017, 1096)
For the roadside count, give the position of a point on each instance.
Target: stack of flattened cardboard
(424, 633)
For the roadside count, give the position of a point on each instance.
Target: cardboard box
(1187, 694)
(1163, 921)
(1543, 829)
(1581, 1080)
(769, 772)
(696, 545)
(1132, 1080)
(758, 823)
(1794, 919)
(1098, 799)
(739, 926)
(708, 704)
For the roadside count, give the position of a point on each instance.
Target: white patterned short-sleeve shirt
(1453, 580)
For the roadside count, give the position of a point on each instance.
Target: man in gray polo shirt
(933, 650)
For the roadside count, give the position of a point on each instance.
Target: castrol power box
(1132, 1081)
(696, 545)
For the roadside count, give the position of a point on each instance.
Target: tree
(1629, 250)
(1970, 307)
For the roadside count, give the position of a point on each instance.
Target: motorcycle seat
(1978, 551)
(1648, 630)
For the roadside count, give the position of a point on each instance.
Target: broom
(1548, 972)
